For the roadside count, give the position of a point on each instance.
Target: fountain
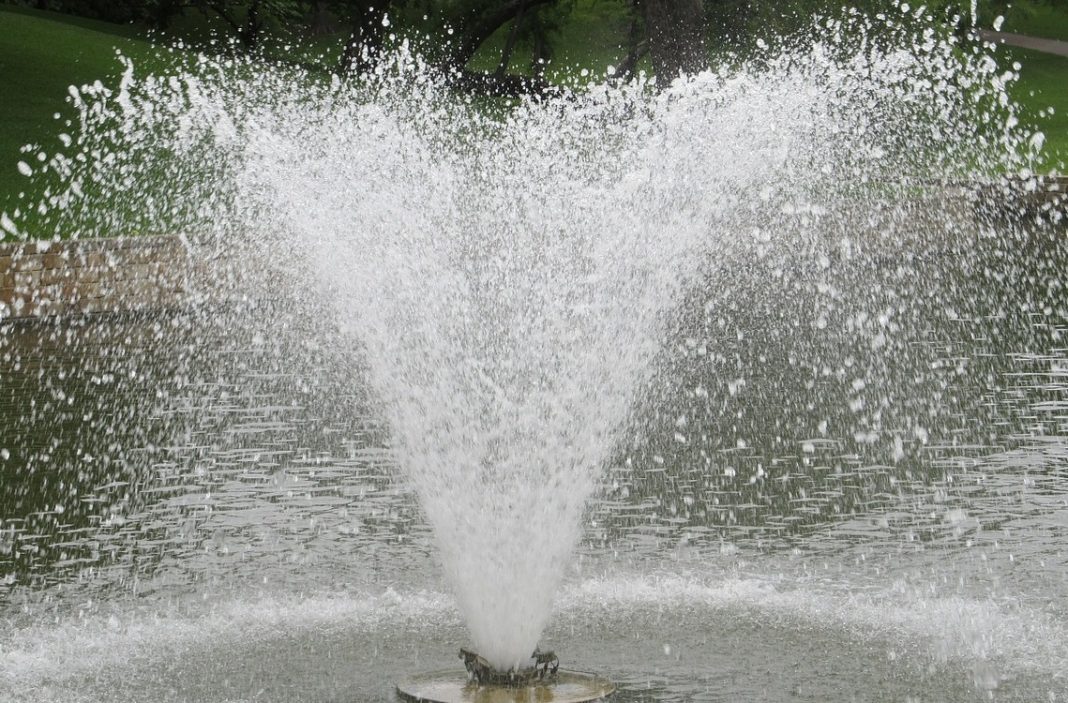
(538, 679)
(730, 388)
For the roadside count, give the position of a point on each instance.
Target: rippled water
(242, 533)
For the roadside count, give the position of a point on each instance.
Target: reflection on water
(136, 456)
(162, 458)
(899, 421)
(181, 463)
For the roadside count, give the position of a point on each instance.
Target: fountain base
(458, 687)
(540, 680)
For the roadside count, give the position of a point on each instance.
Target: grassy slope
(41, 54)
(1043, 84)
(1038, 20)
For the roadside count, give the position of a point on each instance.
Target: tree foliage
(249, 18)
(674, 35)
(675, 31)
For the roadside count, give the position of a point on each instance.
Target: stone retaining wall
(147, 274)
(1046, 199)
(124, 274)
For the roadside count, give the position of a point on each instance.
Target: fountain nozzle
(542, 666)
(540, 678)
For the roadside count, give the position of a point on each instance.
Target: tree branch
(636, 47)
(220, 9)
(476, 34)
(506, 85)
(626, 68)
(509, 46)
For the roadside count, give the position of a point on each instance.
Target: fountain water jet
(509, 283)
(508, 350)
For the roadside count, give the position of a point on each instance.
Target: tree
(473, 23)
(249, 28)
(637, 46)
(468, 24)
(321, 21)
(118, 11)
(248, 18)
(159, 13)
(367, 20)
(675, 32)
(478, 21)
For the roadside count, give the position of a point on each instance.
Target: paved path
(1049, 46)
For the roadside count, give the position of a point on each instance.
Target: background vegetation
(500, 47)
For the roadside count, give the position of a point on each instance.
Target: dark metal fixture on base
(540, 680)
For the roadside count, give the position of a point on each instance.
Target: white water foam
(49, 662)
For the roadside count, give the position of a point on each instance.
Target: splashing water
(507, 277)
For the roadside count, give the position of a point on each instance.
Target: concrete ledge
(1045, 198)
(122, 274)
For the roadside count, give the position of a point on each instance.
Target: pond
(197, 510)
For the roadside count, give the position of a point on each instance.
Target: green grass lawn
(1043, 84)
(1048, 20)
(41, 55)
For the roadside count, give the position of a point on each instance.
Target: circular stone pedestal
(456, 687)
